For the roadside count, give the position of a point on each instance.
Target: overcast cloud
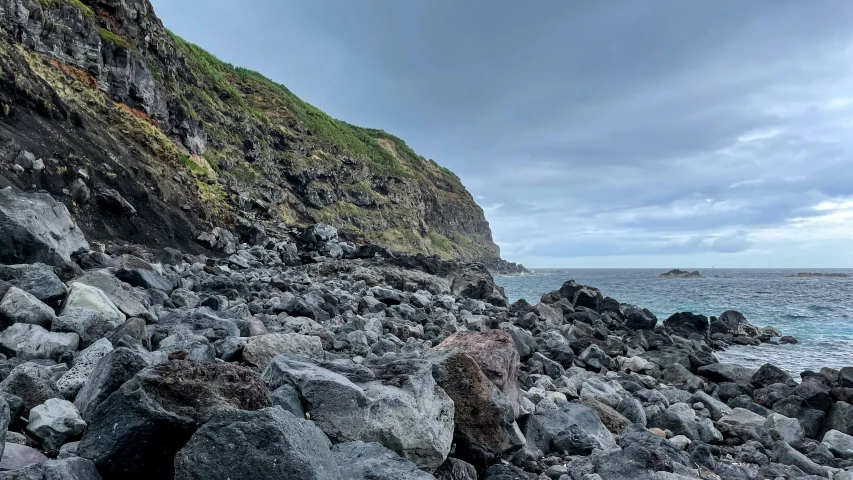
(655, 133)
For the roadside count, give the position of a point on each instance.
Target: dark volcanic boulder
(840, 418)
(109, 374)
(32, 382)
(685, 324)
(140, 277)
(815, 389)
(136, 432)
(631, 463)
(455, 469)
(637, 435)
(372, 461)
(504, 472)
(36, 228)
(726, 372)
(734, 323)
(484, 422)
(795, 407)
(644, 319)
(769, 374)
(268, 444)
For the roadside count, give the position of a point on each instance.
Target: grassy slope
(262, 105)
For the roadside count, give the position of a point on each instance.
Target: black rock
(640, 319)
(139, 277)
(734, 323)
(455, 469)
(110, 373)
(769, 374)
(113, 202)
(845, 377)
(685, 324)
(726, 372)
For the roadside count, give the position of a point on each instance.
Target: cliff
(149, 138)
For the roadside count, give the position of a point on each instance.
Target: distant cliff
(151, 139)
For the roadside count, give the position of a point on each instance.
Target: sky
(655, 133)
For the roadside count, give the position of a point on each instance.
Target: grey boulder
(261, 350)
(82, 367)
(130, 301)
(786, 455)
(681, 419)
(839, 443)
(53, 422)
(268, 444)
(36, 228)
(73, 468)
(571, 428)
(37, 279)
(32, 342)
(19, 306)
(405, 410)
(89, 312)
(372, 461)
(32, 383)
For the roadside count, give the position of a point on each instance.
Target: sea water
(818, 311)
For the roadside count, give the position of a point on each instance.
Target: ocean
(818, 311)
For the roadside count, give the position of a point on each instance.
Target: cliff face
(120, 109)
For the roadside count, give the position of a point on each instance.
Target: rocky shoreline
(296, 355)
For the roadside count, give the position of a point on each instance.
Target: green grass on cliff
(87, 12)
(334, 134)
(111, 37)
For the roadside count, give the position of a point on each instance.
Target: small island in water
(818, 274)
(680, 274)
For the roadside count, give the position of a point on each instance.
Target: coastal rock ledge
(294, 354)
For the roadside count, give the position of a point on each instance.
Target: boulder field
(295, 355)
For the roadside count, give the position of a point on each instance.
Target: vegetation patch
(246, 173)
(441, 244)
(114, 39)
(194, 167)
(85, 77)
(84, 9)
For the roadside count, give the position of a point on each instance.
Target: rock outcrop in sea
(295, 354)
(819, 274)
(676, 273)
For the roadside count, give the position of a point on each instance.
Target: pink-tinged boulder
(496, 355)
(484, 423)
